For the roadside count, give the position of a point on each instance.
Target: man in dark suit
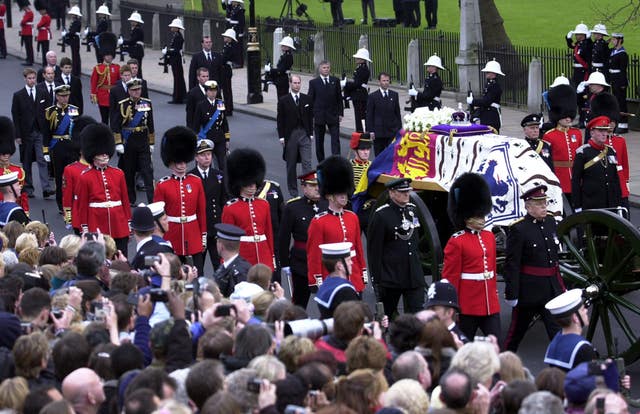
(383, 114)
(213, 183)
(134, 65)
(46, 87)
(143, 226)
(52, 60)
(206, 58)
(196, 95)
(295, 117)
(119, 91)
(328, 110)
(74, 81)
(28, 119)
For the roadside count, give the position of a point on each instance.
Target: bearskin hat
(469, 196)
(79, 124)
(245, 166)
(335, 176)
(40, 4)
(562, 103)
(607, 105)
(23, 3)
(178, 145)
(107, 42)
(97, 139)
(7, 136)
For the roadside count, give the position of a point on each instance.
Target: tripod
(287, 10)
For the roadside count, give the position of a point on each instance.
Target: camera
(309, 328)
(149, 260)
(254, 385)
(158, 295)
(225, 310)
(99, 311)
(91, 236)
(294, 409)
(481, 339)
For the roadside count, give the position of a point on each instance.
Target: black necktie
(326, 81)
(68, 80)
(204, 175)
(51, 93)
(209, 57)
(384, 94)
(297, 100)
(31, 94)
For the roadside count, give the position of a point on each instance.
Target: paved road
(246, 130)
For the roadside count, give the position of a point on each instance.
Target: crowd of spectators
(80, 332)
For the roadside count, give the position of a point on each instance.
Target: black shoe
(46, 194)
(174, 102)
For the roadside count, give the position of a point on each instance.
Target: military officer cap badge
(399, 184)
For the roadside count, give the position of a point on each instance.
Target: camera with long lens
(306, 328)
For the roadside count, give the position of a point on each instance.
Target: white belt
(598, 65)
(253, 239)
(106, 204)
(477, 276)
(182, 219)
(615, 70)
(619, 168)
(577, 65)
(437, 99)
(495, 105)
(232, 21)
(140, 43)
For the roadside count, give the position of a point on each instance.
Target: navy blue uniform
(357, 91)
(488, 107)
(430, 96)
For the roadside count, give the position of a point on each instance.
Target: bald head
(412, 365)
(83, 389)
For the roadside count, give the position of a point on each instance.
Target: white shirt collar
(142, 242)
(382, 91)
(226, 263)
(293, 94)
(203, 171)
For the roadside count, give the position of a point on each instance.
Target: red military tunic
(23, 199)
(185, 206)
(103, 202)
(620, 145)
(44, 33)
(332, 227)
(70, 178)
(26, 28)
(470, 266)
(3, 13)
(103, 78)
(564, 144)
(252, 215)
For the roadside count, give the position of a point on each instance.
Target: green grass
(531, 23)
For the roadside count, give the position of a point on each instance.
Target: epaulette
(294, 199)
(49, 107)
(317, 216)
(145, 99)
(123, 100)
(581, 148)
(232, 201)
(514, 222)
(549, 131)
(382, 207)
(457, 234)
(165, 178)
(193, 175)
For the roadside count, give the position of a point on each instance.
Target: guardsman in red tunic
(184, 197)
(44, 31)
(26, 31)
(335, 225)
(3, 40)
(470, 256)
(71, 175)
(7, 149)
(105, 75)
(564, 139)
(103, 202)
(245, 172)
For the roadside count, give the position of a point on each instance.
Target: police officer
(442, 298)
(72, 38)
(356, 89)
(531, 269)
(531, 126)
(184, 197)
(143, 226)
(393, 254)
(162, 224)
(132, 124)
(618, 63)
(211, 123)
(430, 96)
(234, 267)
(487, 108)
(595, 182)
(57, 137)
(173, 52)
(280, 74)
(10, 210)
(135, 43)
(600, 51)
(296, 217)
(226, 71)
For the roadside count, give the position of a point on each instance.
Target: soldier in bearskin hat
(7, 149)
(245, 173)
(184, 197)
(470, 256)
(335, 177)
(103, 202)
(563, 138)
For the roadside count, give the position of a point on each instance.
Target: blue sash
(205, 130)
(62, 128)
(135, 121)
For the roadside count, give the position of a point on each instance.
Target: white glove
(86, 31)
(47, 157)
(413, 92)
(582, 86)
(343, 83)
(64, 33)
(570, 34)
(120, 149)
(151, 147)
(267, 67)
(470, 99)
(577, 210)
(513, 302)
(120, 41)
(281, 141)
(164, 51)
(286, 270)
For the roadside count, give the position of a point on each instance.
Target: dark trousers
(122, 244)
(413, 300)
(220, 152)
(411, 14)
(44, 48)
(431, 12)
(31, 150)
(60, 13)
(76, 65)
(3, 44)
(179, 87)
(489, 325)
(62, 154)
(297, 146)
(336, 12)
(227, 94)
(334, 132)
(212, 251)
(521, 317)
(380, 143)
(238, 53)
(137, 158)
(372, 8)
(28, 47)
(104, 114)
(620, 94)
(300, 290)
(198, 262)
(360, 114)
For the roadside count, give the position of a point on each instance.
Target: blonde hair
(261, 302)
(110, 248)
(71, 244)
(361, 390)
(407, 395)
(292, 348)
(13, 392)
(268, 367)
(28, 353)
(5, 241)
(40, 230)
(172, 407)
(25, 241)
(30, 256)
(479, 360)
(511, 367)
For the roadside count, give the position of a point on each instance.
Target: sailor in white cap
(569, 348)
(135, 43)
(173, 54)
(9, 209)
(162, 223)
(102, 25)
(336, 288)
(72, 38)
